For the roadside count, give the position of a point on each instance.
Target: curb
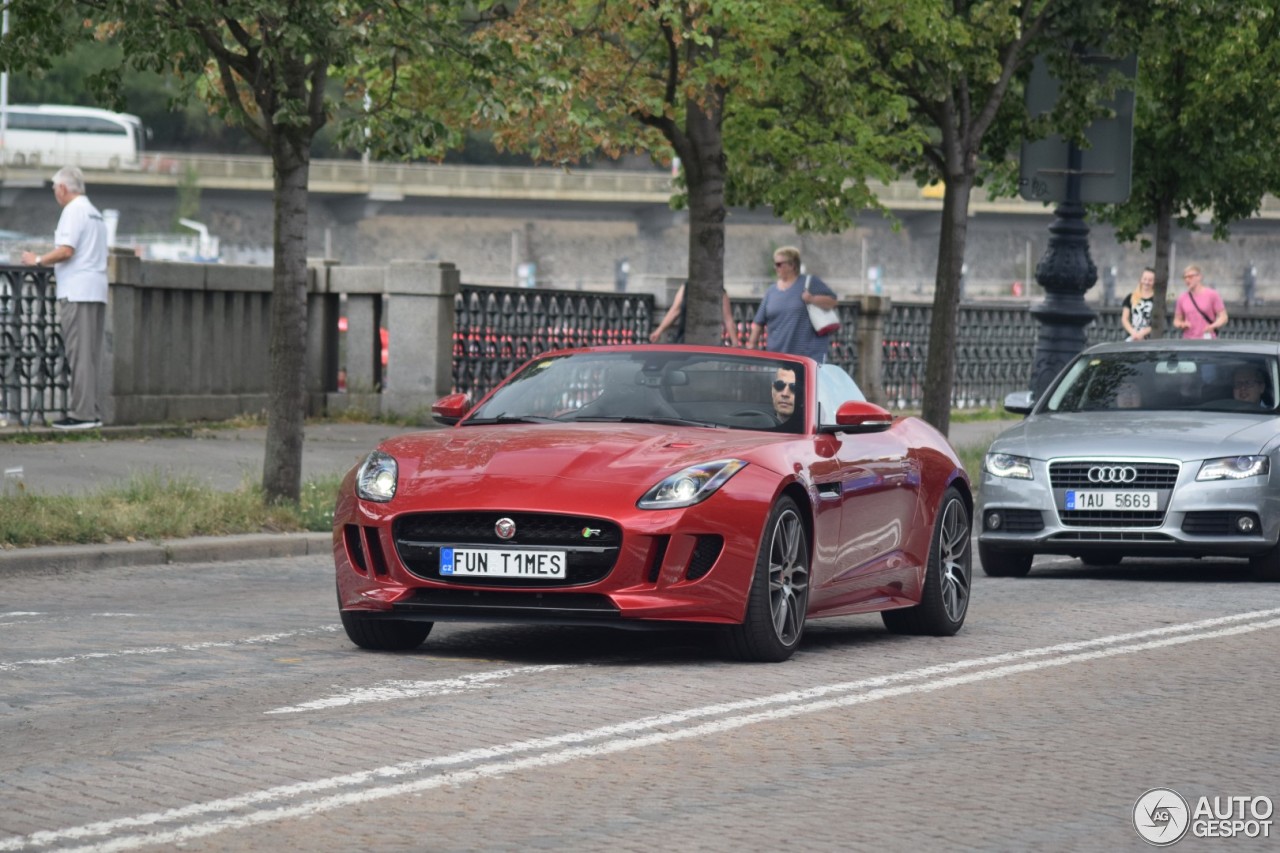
(14, 432)
(205, 549)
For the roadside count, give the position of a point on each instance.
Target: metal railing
(34, 376)
(496, 329)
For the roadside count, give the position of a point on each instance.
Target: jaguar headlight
(690, 486)
(376, 478)
(1234, 468)
(1008, 465)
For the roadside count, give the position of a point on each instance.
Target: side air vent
(659, 553)
(355, 550)
(705, 554)
(376, 555)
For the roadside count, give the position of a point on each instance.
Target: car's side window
(835, 387)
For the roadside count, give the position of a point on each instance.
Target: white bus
(50, 135)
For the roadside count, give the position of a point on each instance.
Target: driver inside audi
(1248, 384)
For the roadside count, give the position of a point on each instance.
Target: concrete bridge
(607, 229)
(393, 182)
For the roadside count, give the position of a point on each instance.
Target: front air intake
(705, 554)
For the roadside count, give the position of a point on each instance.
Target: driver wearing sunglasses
(784, 393)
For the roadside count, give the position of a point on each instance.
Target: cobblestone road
(220, 707)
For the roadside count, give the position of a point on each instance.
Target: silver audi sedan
(1151, 448)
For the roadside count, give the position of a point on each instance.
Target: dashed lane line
(260, 640)
(635, 734)
(394, 690)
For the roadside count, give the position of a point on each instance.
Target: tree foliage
(265, 66)
(796, 106)
(760, 101)
(962, 66)
(1206, 122)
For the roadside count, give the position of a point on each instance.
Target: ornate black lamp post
(1065, 272)
(1056, 169)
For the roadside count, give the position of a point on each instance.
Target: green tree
(760, 101)
(265, 66)
(962, 65)
(791, 105)
(1206, 122)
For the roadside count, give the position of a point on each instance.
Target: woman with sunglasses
(784, 310)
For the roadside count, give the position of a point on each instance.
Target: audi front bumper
(1190, 517)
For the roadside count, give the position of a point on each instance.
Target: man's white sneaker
(73, 423)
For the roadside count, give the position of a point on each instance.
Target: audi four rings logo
(1112, 474)
(505, 528)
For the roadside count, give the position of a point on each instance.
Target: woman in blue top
(784, 312)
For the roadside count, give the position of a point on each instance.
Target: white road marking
(636, 734)
(392, 690)
(261, 639)
(29, 620)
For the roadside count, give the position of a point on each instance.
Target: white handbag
(824, 320)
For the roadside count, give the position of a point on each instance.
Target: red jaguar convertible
(642, 486)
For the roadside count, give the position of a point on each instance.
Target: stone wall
(578, 246)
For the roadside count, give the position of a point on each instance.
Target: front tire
(948, 578)
(778, 601)
(383, 635)
(999, 563)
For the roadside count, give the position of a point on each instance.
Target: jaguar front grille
(591, 545)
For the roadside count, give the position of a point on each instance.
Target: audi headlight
(1234, 468)
(376, 479)
(690, 486)
(1008, 465)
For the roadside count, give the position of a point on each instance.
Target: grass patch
(965, 416)
(151, 507)
(971, 457)
(44, 437)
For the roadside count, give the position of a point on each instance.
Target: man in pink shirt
(1199, 312)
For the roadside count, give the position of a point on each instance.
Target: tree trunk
(286, 407)
(705, 178)
(1164, 224)
(940, 368)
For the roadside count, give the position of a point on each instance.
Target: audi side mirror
(1019, 402)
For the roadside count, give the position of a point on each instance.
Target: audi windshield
(1156, 380)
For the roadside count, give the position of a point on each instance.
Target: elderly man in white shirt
(79, 261)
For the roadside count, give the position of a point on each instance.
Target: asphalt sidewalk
(218, 458)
